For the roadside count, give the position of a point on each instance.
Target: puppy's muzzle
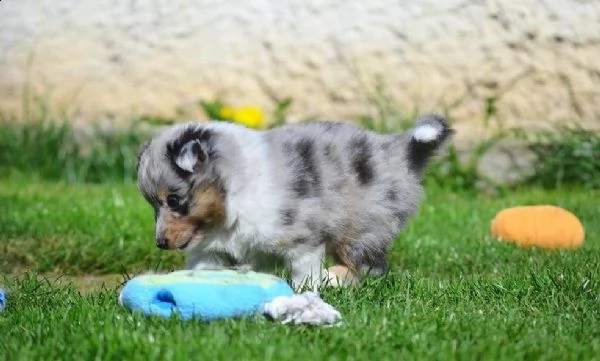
(165, 243)
(162, 242)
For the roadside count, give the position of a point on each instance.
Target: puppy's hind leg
(358, 260)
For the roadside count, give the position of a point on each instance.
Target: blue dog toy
(209, 295)
(2, 299)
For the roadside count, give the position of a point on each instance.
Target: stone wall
(520, 61)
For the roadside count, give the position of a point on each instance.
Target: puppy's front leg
(306, 265)
(209, 260)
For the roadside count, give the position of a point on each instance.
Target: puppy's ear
(190, 156)
(189, 150)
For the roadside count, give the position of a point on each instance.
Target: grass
(452, 292)
(54, 150)
(571, 155)
(77, 228)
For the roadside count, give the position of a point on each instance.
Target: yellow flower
(227, 112)
(250, 116)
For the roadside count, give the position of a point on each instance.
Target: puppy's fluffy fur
(233, 197)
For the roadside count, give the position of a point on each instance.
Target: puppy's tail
(429, 133)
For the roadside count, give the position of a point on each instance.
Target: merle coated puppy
(295, 195)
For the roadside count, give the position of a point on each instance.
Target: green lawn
(452, 292)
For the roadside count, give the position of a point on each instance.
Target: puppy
(291, 196)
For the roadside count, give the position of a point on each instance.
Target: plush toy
(542, 226)
(210, 295)
(2, 300)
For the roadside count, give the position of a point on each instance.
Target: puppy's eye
(173, 200)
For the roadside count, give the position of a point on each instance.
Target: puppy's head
(177, 176)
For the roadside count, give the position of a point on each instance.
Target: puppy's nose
(162, 242)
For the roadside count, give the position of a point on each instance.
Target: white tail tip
(426, 133)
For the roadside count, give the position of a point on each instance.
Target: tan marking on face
(178, 231)
(207, 204)
(206, 209)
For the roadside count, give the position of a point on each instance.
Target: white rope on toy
(305, 307)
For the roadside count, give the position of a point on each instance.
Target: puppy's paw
(339, 276)
(207, 266)
(242, 268)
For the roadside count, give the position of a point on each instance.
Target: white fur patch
(305, 307)
(426, 133)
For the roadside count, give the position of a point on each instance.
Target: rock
(508, 162)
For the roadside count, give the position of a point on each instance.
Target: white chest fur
(253, 200)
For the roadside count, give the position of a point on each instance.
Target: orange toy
(541, 226)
